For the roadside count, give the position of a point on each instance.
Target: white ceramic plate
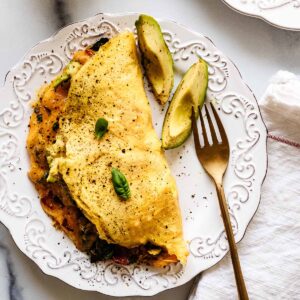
(284, 14)
(31, 229)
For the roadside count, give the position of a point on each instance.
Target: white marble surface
(258, 49)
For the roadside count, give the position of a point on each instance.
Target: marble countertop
(258, 50)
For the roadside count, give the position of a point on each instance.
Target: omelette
(73, 166)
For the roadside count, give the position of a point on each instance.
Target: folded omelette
(110, 85)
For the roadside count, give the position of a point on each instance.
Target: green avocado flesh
(156, 57)
(190, 93)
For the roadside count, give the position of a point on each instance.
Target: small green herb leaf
(120, 183)
(99, 43)
(101, 250)
(101, 128)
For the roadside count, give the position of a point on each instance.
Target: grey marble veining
(258, 49)
(61, 12)
(9, 288)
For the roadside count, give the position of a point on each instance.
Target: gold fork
(214, 159)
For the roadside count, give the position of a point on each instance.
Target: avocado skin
(178, 143)
(150, 59)
(185, 135)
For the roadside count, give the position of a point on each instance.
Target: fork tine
(203, 128)
(211, 127)
(195, 131)
(220, 125)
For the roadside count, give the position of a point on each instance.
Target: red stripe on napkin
(284, 141)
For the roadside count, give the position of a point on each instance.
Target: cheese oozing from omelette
(110, 85)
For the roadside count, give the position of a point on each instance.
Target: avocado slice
(190, 93)
(156, 57)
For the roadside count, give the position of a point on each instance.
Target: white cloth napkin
(270, 250)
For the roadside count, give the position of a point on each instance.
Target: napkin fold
(270, 250)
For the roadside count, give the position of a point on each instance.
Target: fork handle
(241, 287)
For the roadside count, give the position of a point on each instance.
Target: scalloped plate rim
(260, 17)
(124, 14)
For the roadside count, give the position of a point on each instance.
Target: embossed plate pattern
(31, 229)
(284, 14)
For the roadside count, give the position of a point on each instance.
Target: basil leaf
(101, 250)
(108, 255)
(99, 43)
(120, 183)
(101, 128)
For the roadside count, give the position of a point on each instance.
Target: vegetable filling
(55, 197)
